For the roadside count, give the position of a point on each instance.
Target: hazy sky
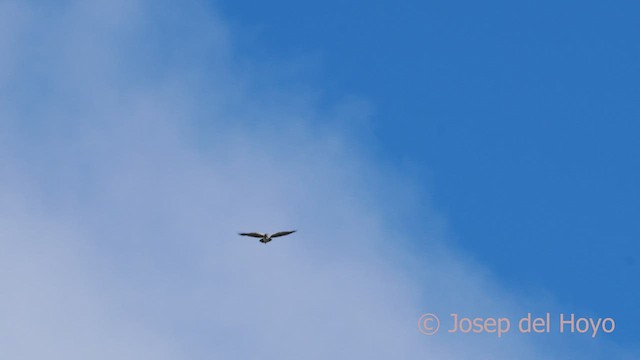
(441, 158)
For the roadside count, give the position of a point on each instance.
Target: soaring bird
(265, 238)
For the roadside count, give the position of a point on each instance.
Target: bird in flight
(265, 238)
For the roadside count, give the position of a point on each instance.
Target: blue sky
(441, 157)
(521, 118)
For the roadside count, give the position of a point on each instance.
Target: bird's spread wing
(252, 234)
(282, 233)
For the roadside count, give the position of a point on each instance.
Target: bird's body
(265, 238)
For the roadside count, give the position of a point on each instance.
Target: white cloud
(133, 150)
